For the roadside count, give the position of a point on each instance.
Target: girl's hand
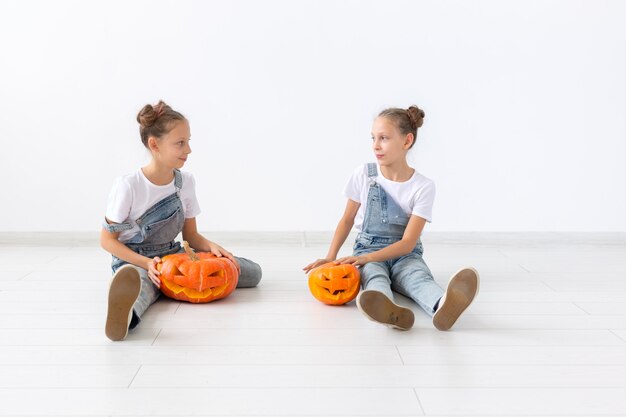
(354, 260)
(153, 273)
(219, 251)
(315, 264)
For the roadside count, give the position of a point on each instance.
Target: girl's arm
(202, 244)
(411, 234)
(341, 233)
(109, 242)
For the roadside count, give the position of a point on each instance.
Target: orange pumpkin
(334, 284)
(197, 277)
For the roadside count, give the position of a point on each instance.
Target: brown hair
(406, 120)
(156, 120)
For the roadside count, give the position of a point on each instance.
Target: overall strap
(116, 227)
(178, 180)
(372, 171)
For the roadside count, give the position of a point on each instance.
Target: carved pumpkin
(197, 277)
(334, 284)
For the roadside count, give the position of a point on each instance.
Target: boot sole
(377, 307)
(124, 290)
(461, 291)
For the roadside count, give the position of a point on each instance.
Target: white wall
(525, 105)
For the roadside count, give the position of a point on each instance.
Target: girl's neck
(398, 172)
(158, 174)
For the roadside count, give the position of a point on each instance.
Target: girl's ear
(408, 140)
(153, 144)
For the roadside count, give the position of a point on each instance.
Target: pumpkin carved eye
(197, 277)
(334, 284)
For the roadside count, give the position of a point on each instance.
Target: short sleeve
(190, 201)
(354, 186)
(424, 200)
(120, 201)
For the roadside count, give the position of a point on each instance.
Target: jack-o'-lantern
(197, 277)
(334, 284)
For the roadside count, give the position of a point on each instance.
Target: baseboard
(314, 238)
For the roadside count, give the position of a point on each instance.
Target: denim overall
(159, 226)
(384, 224)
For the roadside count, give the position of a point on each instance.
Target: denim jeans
(408, 275)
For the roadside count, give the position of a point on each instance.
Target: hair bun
(416, 115)
(149, 114)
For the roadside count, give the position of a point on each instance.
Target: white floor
(546, 336)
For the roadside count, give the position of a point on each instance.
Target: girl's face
(172, 149)
(389, 144)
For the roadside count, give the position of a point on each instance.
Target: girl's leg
(148, 295)
(376, 299)
(250, 275)
(375, 276)
(412, 277)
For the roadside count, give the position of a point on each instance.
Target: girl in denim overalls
(146, 211)
(391, 203)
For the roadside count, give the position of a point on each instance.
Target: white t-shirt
(133, 194)
(415, 196)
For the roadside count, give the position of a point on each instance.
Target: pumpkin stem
(190, 252)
